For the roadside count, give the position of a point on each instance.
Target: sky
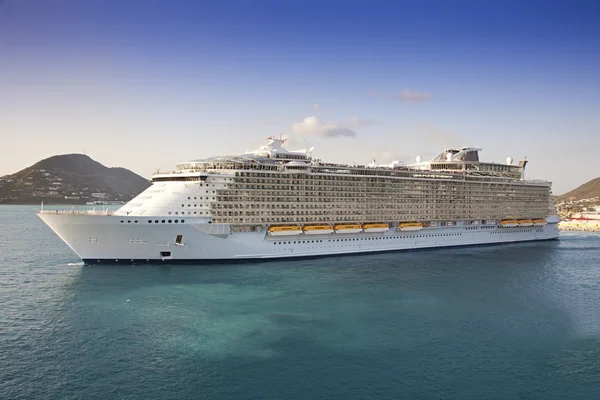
(147, 84)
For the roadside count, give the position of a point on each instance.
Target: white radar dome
(449, 157)
(418, 159)
(509, 160)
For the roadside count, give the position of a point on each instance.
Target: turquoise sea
(502, 322)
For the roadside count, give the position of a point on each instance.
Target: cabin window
(179, 239)
(165, 254)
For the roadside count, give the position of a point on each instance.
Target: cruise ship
(272, 203)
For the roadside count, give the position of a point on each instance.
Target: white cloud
(314, 126)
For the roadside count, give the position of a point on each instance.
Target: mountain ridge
(588, 190)
(70, 179)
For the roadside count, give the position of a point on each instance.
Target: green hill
(70, 179)
(588, 190)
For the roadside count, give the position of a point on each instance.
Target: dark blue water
(505, 322)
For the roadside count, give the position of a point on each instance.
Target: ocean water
(503, 322)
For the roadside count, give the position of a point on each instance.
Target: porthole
(156, 221)
(170, 221)
(149, 221)
(122, 221)
(163, 221)
(169, 212)
(176, 221)
(128, 222)
(183, 205)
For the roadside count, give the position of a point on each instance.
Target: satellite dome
(509, 160)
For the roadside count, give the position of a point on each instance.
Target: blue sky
(147, 84)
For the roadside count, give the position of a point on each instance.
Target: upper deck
(462, 164)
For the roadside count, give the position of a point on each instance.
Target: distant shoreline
(580, 226)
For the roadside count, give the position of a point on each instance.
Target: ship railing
(76, 212)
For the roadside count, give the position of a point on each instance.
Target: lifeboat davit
(285, 230)
(373, 228)
(318, 229)
(410, 226)
(525, 222)
(348, 228)
(509, 223)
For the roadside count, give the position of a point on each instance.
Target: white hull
(101, 238)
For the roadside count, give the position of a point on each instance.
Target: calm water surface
(504, 322)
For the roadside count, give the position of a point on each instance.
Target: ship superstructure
(272, 203)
